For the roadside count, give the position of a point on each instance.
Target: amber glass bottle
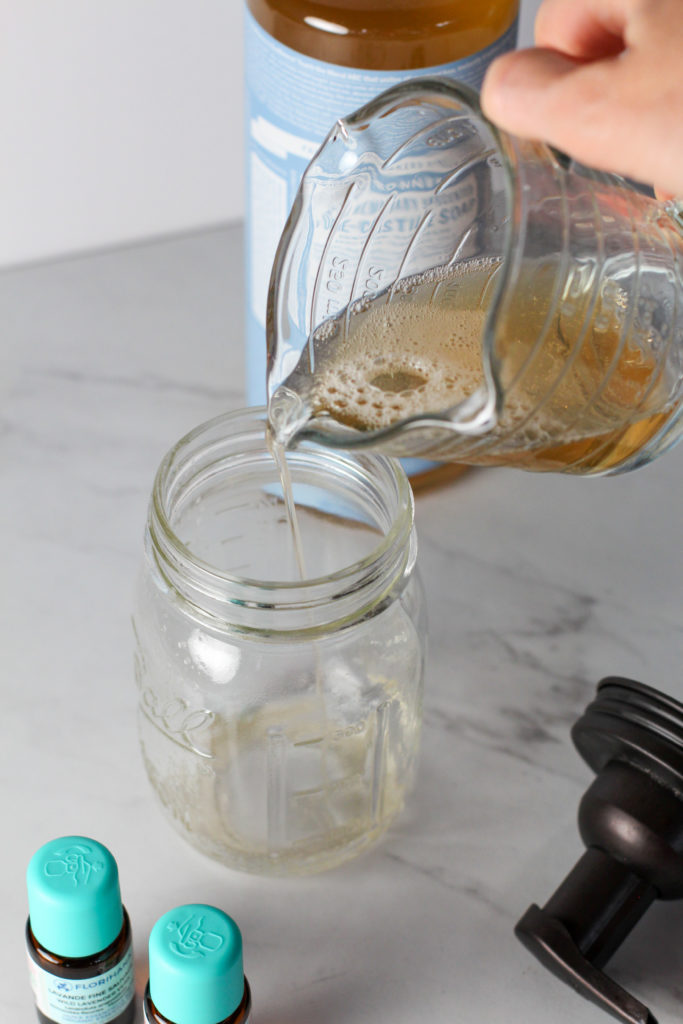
(78, 937)
(85, 974)
(195, 969)
(309, 62)
(386, 35)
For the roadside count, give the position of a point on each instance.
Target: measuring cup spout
(400, 191)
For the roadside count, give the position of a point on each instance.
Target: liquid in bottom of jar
(286, 789)
(302, 782)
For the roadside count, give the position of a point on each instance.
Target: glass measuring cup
(279, 718)
(571, 279)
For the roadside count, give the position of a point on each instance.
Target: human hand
(604, 84)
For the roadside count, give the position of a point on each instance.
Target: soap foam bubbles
(418, 353)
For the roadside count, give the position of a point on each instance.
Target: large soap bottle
(309, 62)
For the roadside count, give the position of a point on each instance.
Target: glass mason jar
(279, 718)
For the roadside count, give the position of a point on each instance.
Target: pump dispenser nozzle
(631, 820)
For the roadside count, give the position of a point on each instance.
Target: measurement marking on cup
(276, 797)
(237, 507)
(379, 759)
(346, 782)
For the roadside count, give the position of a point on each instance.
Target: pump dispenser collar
(631, 820)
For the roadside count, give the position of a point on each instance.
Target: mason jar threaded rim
(226, 444)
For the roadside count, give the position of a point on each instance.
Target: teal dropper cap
(74, 899)
(195, 965)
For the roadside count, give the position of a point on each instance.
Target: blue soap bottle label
(292, 102)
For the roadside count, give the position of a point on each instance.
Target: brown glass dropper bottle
(196, 974)
(78, 935)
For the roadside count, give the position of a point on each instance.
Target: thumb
(619, 113)
(514, 94)
(585, 109)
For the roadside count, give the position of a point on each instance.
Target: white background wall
(121, 120)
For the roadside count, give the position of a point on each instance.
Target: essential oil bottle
(196, 975)
(78, 935)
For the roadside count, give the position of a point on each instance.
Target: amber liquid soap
(578, 397)
(385, 35)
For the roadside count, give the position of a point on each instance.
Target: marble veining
(147, 383)
(536, 586)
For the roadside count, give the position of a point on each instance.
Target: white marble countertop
(537, 586)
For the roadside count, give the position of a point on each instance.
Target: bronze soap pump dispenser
(631, 820)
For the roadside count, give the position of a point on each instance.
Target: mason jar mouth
(217, 496)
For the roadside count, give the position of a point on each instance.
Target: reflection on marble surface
(537, 587)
